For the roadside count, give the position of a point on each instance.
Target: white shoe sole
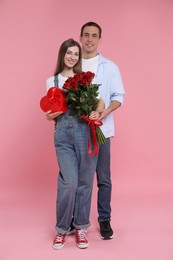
(57, 247)
(107, 238)
(82, 246)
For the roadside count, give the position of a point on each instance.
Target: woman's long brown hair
(62, 51)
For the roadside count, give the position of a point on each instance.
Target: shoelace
(81, 234)
(59, 238)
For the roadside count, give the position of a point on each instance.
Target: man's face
(90, 39)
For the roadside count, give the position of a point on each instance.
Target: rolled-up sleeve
(117, 87)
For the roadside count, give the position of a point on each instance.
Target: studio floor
(141, 219)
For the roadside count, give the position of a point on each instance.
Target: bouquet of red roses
(83, 96)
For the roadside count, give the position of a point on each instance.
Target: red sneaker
(81, 240)
(58, 241)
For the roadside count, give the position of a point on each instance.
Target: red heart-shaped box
(55, 100)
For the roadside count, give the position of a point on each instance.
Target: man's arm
(113, 106)
(100, 106)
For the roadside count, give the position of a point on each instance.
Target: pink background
(138, 36)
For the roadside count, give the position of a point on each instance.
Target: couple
(77, 167)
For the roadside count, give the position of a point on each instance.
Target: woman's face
(71, 57)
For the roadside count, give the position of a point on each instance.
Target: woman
(77, 167)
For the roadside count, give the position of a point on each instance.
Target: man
(112, 92)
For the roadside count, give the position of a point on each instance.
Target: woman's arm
(52, 116)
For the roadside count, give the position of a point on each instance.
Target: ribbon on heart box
(55, 100)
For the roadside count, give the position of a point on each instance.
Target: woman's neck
(67, 72)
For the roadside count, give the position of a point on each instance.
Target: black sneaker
(106, 231)
(72, 228)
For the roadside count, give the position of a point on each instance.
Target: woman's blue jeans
(77, 168)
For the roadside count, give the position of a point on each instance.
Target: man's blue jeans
(104, 182)
(77, 168)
